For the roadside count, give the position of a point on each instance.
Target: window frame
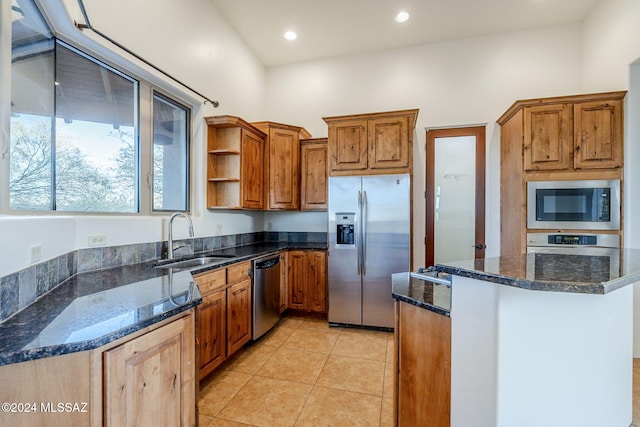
(144, 134)
(171, 100)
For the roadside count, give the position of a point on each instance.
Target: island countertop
(92, 309)
(581, 271)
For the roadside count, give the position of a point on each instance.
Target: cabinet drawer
(238, 272)
(210, 281)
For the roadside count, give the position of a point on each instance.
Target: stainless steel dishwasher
(266, 294)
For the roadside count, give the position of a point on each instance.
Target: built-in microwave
(573, 205)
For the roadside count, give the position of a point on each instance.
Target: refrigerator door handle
(359, 234)
(365, 208)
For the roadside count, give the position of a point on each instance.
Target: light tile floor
(304, 373)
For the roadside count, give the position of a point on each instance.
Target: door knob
(480, 246)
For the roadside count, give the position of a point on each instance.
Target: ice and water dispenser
(345, 223)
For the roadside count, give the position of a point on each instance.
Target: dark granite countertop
(425, 294)
(95, 308)
(580, 270)
(584, 271)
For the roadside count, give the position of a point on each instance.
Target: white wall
(188, 39)
(611, 44)
(454, 83)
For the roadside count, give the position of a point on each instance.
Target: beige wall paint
(453, 84)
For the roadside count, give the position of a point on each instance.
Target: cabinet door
(317, 281)
(389, 143)
(252, 179)
(598, 134)
(348, 145)
(284, 167)
(284, 296)
(150, 380)
(422, 367)
(298, 282)
(212, 335)
(548, 137)
(313, 177)
(238, 315)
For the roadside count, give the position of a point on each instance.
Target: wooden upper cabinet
(548, 137)
(282, 166)
(251, 179)
(313, 175)
(570, 132)
(598, 130)
(389, 143)
(375, 143)
(235, 158)
(349, 145)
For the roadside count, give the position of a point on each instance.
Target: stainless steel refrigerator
(369, 239)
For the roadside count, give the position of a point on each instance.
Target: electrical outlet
(218, 229)
(269, 226)
(35, 253)
(97, 240)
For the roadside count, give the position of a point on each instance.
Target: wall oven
(573, 205)
(573, 257)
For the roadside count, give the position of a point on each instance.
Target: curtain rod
(87, 26)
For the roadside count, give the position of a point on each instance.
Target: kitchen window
(77, 143)
(170, 155)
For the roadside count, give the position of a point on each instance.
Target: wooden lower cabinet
(284, 276)
(212, 334)
(298, 281)
(422, 392)
(238, 315)
(150, 380)
(147, 379)
(317, 281)
(224, 317)
(307, 281)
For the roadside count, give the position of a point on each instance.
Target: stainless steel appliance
(369, 239)
(577, 205)
(587, 256)
(266, 294)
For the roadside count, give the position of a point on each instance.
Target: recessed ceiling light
(402, 16)
(290, 35)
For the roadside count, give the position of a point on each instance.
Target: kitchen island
(535, 340)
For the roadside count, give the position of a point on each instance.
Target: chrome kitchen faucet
(171, 248)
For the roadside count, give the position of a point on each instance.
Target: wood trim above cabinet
(520, 104)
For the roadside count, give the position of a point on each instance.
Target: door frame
(479, 132)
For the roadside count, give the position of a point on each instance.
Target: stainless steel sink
(193, 262)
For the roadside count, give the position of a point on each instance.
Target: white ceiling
(329, 28)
